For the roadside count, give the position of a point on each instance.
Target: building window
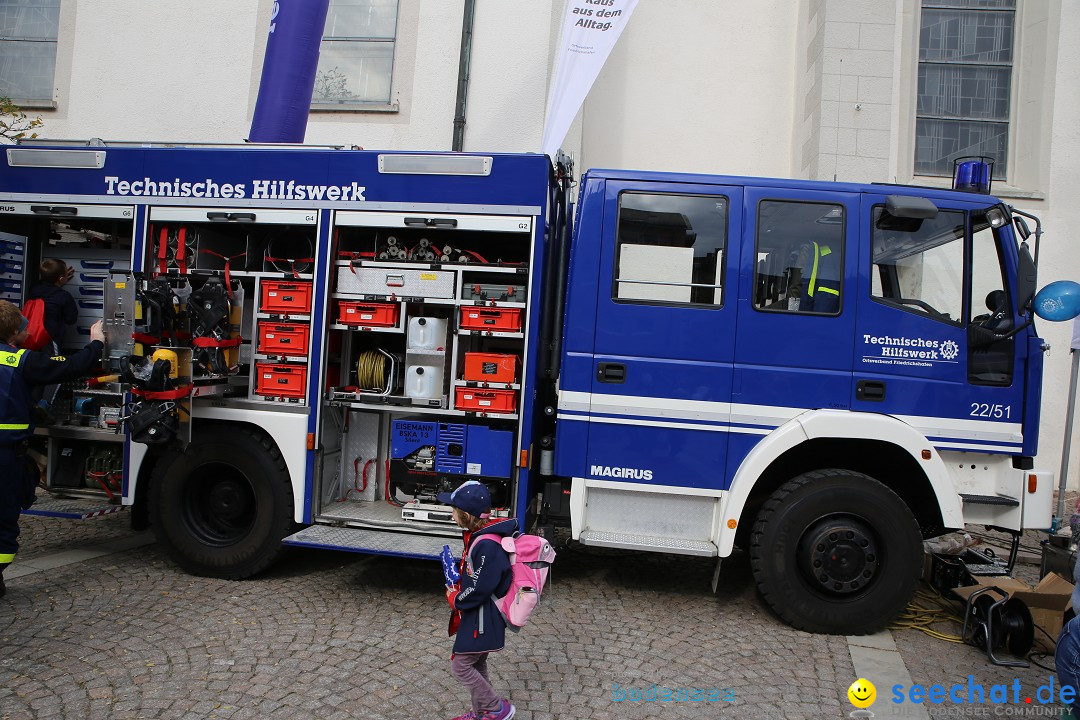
(671, 248)
(965, 83)
(356, 60)
(28, 49)
(800, 257)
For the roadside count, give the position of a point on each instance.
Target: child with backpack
(485, 574)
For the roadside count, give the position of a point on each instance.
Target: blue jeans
(1067, 657)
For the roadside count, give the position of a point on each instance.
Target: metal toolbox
(395, 281)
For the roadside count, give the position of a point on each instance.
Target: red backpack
(37, 336)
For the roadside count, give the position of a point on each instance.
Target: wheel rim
(839, 555)
(219, 504)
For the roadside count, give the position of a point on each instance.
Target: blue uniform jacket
(485, 574)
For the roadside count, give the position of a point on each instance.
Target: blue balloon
(1058, 301)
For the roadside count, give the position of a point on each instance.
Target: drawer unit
(483, 291)
(394, 281)
(491, 319)
(285, 296)
(11, 270)
(369, 314)
(11, 290)
(493, 401)
(490, 367)
(88, 278)
(280, 380)
(290, 339)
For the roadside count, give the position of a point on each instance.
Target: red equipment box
(490, 367)
(368, 314)
(289, 339)
(492, 319)
(285, 296)
(278, 380)
(493, 401)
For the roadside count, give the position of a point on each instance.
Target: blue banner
(288, 75)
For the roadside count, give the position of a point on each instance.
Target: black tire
(835, 551)
(222, 507)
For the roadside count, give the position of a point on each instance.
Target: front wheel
(222, 507)
(835, 551)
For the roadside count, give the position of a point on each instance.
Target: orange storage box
(283, 339)
(493, 401)
(285, 296)
(279, 380)
(490, 367)
(491, 319)
(368, 314)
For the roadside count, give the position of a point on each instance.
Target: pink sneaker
(505, 712)
(467, 716)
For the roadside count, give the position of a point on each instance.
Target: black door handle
(611, 373)
(873, 390)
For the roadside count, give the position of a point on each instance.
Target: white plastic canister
(427, 333)
(423, 381)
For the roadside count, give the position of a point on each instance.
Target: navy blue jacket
(60, 309)
(20, 370)
(485, 574)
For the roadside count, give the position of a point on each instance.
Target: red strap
(181, 250)
(292, 262)
(163, 250)
(180, 392)
(145, 339)
(228, 262)
(210, 342)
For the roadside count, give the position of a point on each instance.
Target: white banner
(1076, 334)
(589, 31)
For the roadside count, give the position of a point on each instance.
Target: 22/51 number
(991, 411)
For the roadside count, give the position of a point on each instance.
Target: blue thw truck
(307, 344)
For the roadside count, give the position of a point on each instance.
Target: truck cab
(821, 373)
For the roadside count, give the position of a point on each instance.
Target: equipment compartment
(285, 297)
(274, 380)
(290, 339)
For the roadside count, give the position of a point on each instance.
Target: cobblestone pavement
(334, 635)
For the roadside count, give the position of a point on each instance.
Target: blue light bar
(973, 174)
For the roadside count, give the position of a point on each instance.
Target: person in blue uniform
(20, 372)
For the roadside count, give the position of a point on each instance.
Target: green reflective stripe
(12, 359)
(830, 291)
(813, 273)
(14, 426)
(7, 558)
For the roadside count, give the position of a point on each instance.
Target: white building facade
(853, 90)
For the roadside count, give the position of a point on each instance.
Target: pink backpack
(531, 557)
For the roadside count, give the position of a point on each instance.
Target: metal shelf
(460, 267)
(490, 334)
(365, 328)
(486, 385)
(78, 432)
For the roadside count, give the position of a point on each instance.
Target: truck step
(376, 542)
(71, 508)
(989, 500)
(631, 541)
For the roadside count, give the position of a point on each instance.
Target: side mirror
(1026, 279)
(1058, 301)
(1022, 227)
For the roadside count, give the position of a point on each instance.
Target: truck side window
(671, 248)
(918, 265)
(800, 257)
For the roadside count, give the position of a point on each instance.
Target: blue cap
(471, 496)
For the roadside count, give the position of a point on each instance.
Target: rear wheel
(835, 551)
(222, 507)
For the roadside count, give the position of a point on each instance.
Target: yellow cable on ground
(924, 611)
